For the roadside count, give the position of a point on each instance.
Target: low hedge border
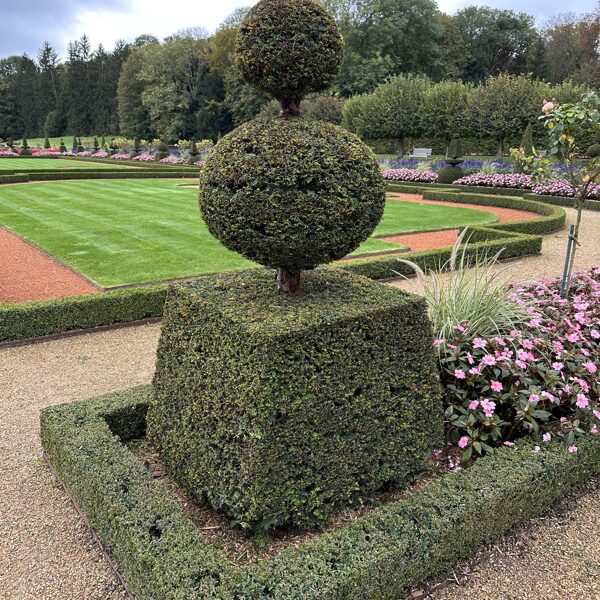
(160, 553)
(108, 161)
(563, 201)
(59, 175)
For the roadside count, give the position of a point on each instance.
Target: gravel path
(47, 553)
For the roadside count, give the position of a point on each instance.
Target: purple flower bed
(541, 380)
(506, 180)
(468, 165)
(561, 187)
(410, 175)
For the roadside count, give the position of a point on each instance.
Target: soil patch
(28, 273)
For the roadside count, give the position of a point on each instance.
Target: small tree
(47, 143)
(194, 154)
(527, 141)
(62, 146)
(79, 146)
(568, 126)
(74, 144)
(95, 144)
(25, 150)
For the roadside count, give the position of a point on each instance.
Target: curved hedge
(161, 554)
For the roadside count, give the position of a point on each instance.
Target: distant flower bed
(98, 155)
(505, 180)
(144, 158)
(8, 153)
(560, 187)
(173, 160)
(85, 153)
(410, 175)
(119, 157)
(200, 163)
(540, 380)
(45, 151)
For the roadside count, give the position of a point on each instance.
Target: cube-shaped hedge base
(279, 408)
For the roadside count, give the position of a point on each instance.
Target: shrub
(62, 148)
(162, 151)
(594, 151)
(278, 408)
(47, 143)
(539, 379)
(449, 174)
(25, 150)
(269, 60)
(291, 209)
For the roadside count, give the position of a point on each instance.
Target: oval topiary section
(289, 48)
(594, 151)
(292, 209)
(449, 174)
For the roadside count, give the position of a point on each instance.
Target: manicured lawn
(132, 231)
(37, 164)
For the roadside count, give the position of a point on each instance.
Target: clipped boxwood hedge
(280, 408)
(563, 201)
(161, 554)
(35, 319)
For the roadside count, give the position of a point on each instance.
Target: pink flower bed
(144, 158)
(99, 155)
(505, 180)
(561, 187)
(200, 163)
(8, 153)
(172, 160)
(542, 380)
(120, 157)
(410, 175)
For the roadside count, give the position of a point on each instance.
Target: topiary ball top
(289, 48)
(291, 193)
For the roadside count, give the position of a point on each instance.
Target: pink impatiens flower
(489, 360)
(463, 442)
(488, 407)
(533, 398)
(547, 437)
(582, 401)
(473, 405)
(590, 366)
(479, 343)
(572, 449)
(459, 374)
(496, 386)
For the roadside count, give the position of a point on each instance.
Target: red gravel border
(28, 273)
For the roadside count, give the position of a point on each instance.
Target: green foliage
(291, 209)
(25, 150)
(593, 151)
(289, 48)
(35, 319)
(527, 141)
(503, 106)
(161, 554)
(341, 400)
(450, 173)
(391, 111)
(62, 146)
(95, 144)
(47, 143)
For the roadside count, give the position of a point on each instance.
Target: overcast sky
(25, 24)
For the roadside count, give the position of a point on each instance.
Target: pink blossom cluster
(410, 175)
(99, 154)
(8, 154)
(505, 180)
(144, 158)
(561, 187)
(540, 380)
(200, 163)
(173, 160)
(45, 151)
(119, 157)
(85, 153)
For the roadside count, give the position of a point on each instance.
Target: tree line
(189, 86)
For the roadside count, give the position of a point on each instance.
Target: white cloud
(157, 17)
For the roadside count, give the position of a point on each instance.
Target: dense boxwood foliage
(279, 408)
(161, 554)
(289, 48)
(449, 174)
(291, 209)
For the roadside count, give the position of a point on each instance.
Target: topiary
(113, 147)
(79, 146)
(291, 209)
(452, 171)
(527, 141)
(47, 143)
(594, 151)
(289, 48)
(193, 157)
(75, 144)
(136, 148)
(286, 192)
(162, 151)
(10, 143)
(25, 150)
(95, 144)
(62, 147)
